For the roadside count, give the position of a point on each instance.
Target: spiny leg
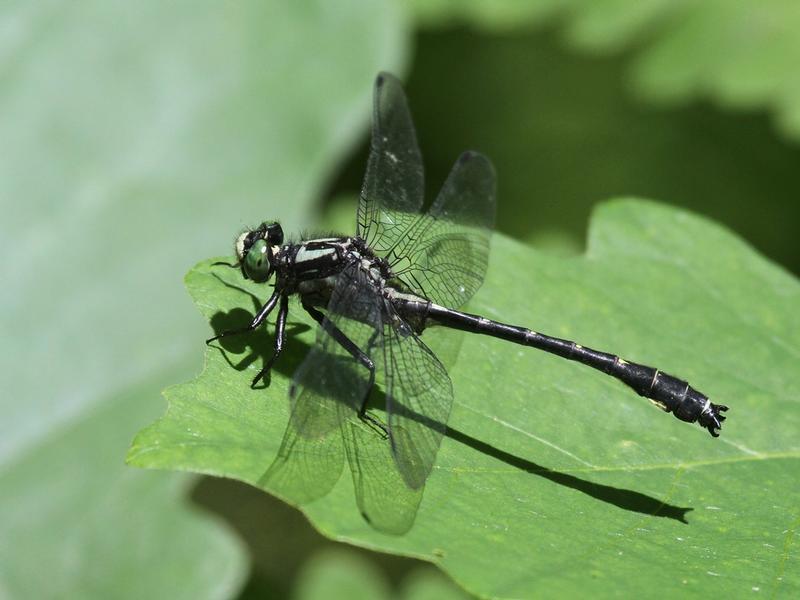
(257, 320)
(360, 357)
(280, 337)
(362, 410)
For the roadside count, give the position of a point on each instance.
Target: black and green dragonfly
(373, 294)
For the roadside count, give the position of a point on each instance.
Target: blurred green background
(136, 140)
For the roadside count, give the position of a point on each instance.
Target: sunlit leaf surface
(553, 477)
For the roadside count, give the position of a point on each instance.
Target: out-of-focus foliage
(740, 53)
(77, 525)
(135, 138)
(282, 544)
(338, 575)
(551, 473)
(564, 134)
(342, 575)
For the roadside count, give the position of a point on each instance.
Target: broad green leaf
(739, 53)
(553, 477)
(130, 130)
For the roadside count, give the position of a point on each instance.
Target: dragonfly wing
(307, 467)
(328, 387)
(382, 494)
(419, 396)
(357, 311)
(330, 377)
(444, 255)
(393, 188)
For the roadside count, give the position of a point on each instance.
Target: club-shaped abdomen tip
(695, 407)
(711, 417)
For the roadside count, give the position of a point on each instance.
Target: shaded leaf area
(339, 574)
(132, 131)
(77, 525)
(552, 476)
(278, 569)
(741, 54)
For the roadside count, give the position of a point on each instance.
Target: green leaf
(132, 129)
(741, 54)
(552, 476)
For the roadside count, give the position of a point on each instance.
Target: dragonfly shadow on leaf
(317, 442)
(256, 345)
(360, 442)
(625, 499)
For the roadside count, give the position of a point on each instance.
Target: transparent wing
(419, 396)
(393, 189)
(441, 255)
(330, 379)
(444, 254)
(383, 497)
(358, 311)
(307, 467)
(328, 386)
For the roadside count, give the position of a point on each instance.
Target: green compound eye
(256, 263)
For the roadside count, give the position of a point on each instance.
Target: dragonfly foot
(375, 424)
(226, 334)
(262, 374)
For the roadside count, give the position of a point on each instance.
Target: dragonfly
(372, 295)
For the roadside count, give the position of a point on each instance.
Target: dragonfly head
(255, 251)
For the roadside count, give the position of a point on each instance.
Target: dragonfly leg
(367, 418)
(360, 357)
(280, 337)
(257, 320)
(374, 423)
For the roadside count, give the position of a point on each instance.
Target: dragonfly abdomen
(667, 392)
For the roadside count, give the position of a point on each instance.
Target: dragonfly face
(256, 249)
